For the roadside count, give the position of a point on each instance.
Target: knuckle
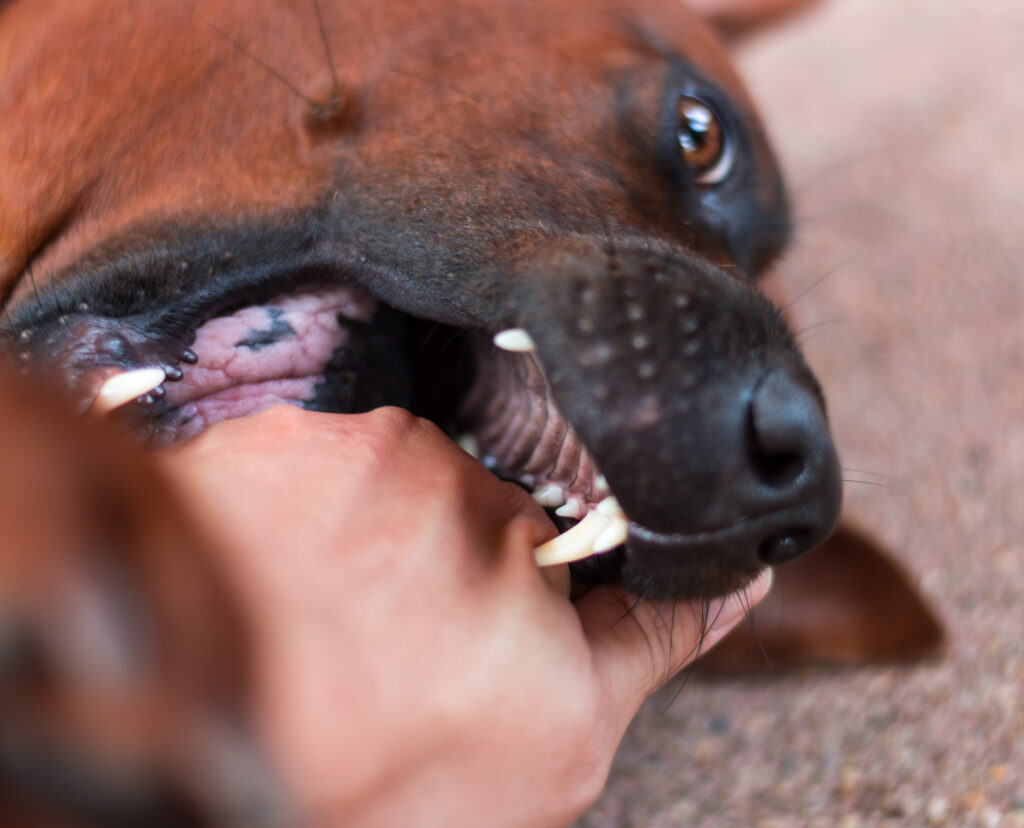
(285, 419)
(393, 420)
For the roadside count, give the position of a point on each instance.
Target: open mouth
(339, 349)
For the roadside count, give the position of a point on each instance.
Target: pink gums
(261, 356)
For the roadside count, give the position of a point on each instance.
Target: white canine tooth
(574, 544)
(596, 533)
(604, 528)
(572, 509)
(610, 507)
(514, 339)
(125, 387)
(614, 534)
(469, 444)
(600, 487)
(551, 495)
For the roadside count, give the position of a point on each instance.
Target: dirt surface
(900, 127)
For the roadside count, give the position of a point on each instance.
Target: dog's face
(268, 214)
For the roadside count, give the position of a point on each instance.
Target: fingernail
(726, 612)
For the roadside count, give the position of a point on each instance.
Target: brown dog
(341, 206)
(300, 211)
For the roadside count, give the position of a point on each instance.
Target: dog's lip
(701, 537)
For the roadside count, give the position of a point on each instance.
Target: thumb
(638, 645)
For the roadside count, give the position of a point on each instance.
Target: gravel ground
(900, 126)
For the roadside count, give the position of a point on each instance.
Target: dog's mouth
(336, 348)
(682, 382)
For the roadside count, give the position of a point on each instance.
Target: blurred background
(901, 128)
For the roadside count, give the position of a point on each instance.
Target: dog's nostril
(787, 428)
(776, 470)
(784, 546)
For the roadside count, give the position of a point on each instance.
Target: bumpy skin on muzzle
(687, 388)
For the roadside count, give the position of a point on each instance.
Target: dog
(300, 211)
(540, 225)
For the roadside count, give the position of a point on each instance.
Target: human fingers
(638, 645)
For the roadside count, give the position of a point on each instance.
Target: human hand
(414, 667)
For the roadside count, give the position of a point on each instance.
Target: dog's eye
(705, 147)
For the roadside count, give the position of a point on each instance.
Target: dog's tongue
(261, 356)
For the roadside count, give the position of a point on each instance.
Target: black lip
(173, 276)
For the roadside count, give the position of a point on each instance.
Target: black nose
(793, 468)
(774, 491)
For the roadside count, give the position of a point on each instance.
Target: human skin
(413, 665)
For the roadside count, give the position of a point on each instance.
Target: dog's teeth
(573, 544)
(614, 534)
(572, 509)
(551, 495)
(123, 388)
(610, 507)
(469, 444)
(599, 531)
(601, 488)
(516, 340)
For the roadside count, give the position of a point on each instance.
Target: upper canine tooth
(613, 535)
(574, 544)
(514, 339)
(124, 387)
(600, 531)
(550, 495)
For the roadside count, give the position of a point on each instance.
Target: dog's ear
(736, 19)
(123, 663)
(847, 602)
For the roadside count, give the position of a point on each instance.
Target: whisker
(817, 282)
(839, 320)
(701, 614)
(869, 483)
(270, 70)
(876, 474)
(629, 610)
(748, 611)
(327, 45)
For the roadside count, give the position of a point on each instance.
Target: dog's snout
(793, 469)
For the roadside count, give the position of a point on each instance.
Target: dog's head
(342, 205)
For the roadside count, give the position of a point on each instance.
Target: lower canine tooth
(551, 495)
(609, 506)
(469, 444)
(514, 339)
(572, 509)
(125, 387)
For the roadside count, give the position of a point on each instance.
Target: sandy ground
(901, 127)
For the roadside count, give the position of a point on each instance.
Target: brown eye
(703, 142)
